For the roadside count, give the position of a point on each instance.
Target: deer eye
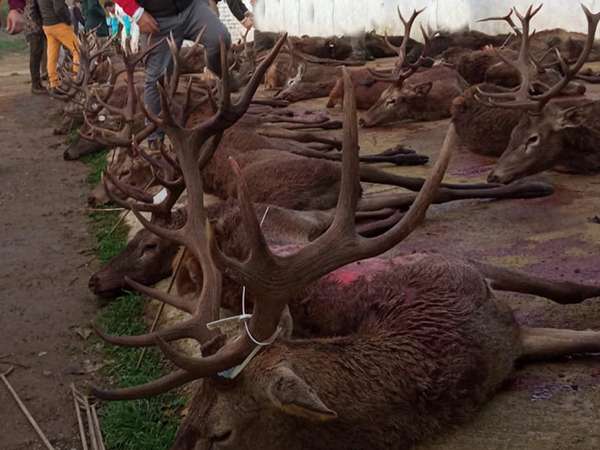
(534, 139)
(149, 248)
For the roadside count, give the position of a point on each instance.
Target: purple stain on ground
(540, 388)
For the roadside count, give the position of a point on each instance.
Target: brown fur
(385, 366)
(367, 90)
(566, 140)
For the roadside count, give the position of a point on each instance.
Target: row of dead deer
(545, 121)
(360, 368)
(336, 350)
(280, 174)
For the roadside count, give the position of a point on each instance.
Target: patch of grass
(9, 44)
(148, 424)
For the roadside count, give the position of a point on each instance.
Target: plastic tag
(160, 197)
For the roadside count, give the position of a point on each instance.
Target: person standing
(37, 44)
(184, 19)
(56, 23)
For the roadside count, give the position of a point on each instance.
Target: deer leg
(444, 195)
(398, 158)
(547, 343)
(563, 292)
(298, 136)
(371, 175)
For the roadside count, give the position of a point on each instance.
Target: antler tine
(156, 387)
(130, 191)
(508, 19)
(227, 116)
(163, 296)
(570, 72)
(521, 98)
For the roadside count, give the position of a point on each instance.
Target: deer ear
(570, 118)
(423, 89)
(290, 394)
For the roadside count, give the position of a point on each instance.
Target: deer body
(426, 345)
(366, 88)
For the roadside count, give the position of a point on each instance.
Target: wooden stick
(97, 427)
(79, 419)
(24, 410)
(91, 431)
(162, 306)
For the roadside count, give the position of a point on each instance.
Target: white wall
(328, 17)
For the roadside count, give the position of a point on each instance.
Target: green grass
(11, 44)
(148, 424)
(8, 43)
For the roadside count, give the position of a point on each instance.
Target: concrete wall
(328, 17)
(232, 24)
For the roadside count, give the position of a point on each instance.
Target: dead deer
(414, 94)
(428, 343)
(547, 136)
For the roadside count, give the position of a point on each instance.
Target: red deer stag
(414, 94)
(429, 343)
(547, 136)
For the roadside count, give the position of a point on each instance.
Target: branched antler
(403, 69)
(522, 97)
(271, 277)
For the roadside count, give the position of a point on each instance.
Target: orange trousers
(57, 35)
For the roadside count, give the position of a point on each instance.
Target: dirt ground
(44, 253)
(43, 274)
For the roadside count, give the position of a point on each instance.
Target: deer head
(399, 98)
(537, 140)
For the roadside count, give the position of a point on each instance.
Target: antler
(129, 112)
(194, 147)
(403, 69)
(521, 97)
(272, 277)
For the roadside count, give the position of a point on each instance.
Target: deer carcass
(414, 94)
(546, 135)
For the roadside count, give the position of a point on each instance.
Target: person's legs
(157, 62)
(36, 51)
(52, 55)
(198, 16)
(66, 36)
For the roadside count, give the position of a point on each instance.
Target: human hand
(14, 22)
(147, 24)
(248, 21)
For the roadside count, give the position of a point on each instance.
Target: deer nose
(93, 283)
(362, 122)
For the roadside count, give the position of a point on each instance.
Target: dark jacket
(54, 12)
(94, 16)
(165, 8)
(237, 8)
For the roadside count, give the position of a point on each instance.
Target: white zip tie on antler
(244, 317)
